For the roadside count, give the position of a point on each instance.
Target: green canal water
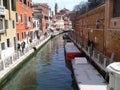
(45, 71)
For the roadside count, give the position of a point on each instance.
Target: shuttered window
(13, 5)
(8, 42)
(116, 8)
(6, 24)
(16, 17)
(2, 46)
(6, 3)
(1, 24)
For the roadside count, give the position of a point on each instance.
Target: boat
(71, 51)
(86, 76)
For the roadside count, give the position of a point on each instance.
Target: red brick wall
(107, 36)
(113, 43)
(86, 25)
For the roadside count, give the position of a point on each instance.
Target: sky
(68, 4)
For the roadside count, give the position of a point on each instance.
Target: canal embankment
(46, 70)
(9, 71)
(97, 59)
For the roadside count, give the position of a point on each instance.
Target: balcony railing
(2, 31)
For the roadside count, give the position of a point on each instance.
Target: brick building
(24, 23)
(45, 15)
(101, 25)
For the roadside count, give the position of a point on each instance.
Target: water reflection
(45, 71)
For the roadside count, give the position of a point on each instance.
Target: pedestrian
(89, 43)
(23, 46)
(30, 40)
(45, 34)
(92, 44)
(18, 46)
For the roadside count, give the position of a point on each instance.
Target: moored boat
(86, 76)
(71, 51)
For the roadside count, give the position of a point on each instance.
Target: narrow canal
(45, 71)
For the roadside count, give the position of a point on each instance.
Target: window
(16, 17)
(0, 2)
(6, 24)
(25, 19)
(6, 3)
(3, 46)
(18, 36)
(116, 9)
(22, 35)
(29, 19)
(21, 17)
(13, 5)
(1, 24)
(28, 4)
(8, 42)
(25, 2)
(13, 24)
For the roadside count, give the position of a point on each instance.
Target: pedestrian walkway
(11, 62)
(95, 56)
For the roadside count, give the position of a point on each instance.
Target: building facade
(7, 28)
(101, 25)
(59, 22)
(50, 23)
(63, 19)
(43, 13)
(24, 21)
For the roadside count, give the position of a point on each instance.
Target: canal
(45, 71)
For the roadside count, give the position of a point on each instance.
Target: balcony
(2, 11)
(2, 31)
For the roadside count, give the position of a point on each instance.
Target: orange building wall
(44, 22)
(45, 11)
(21, 8)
